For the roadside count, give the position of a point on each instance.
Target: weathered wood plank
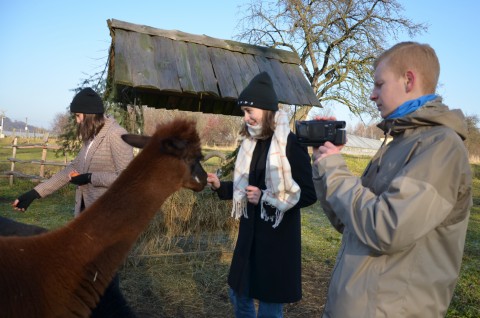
(235, 71)
(22, 175)
(188, 83)
(204, 70)
(301, 83)
(248, 68)
(224, 77)
(122, 74)
(37, 162)
(166, 68)
(141, 57)
(281, 55)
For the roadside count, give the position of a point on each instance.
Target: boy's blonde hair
(415, 56)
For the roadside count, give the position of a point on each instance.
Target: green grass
(179, 266)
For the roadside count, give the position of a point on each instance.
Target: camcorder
(316, 132)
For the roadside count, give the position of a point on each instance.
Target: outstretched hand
(24, 201)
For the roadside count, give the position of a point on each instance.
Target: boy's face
(389, 90)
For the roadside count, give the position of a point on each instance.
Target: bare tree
(473, 136)
(59, 123)
(368, 131)
(336, 41)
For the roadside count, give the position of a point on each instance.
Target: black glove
(25, 199)
(81, 179)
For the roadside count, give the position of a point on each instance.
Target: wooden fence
(42, 162)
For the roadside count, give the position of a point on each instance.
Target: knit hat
(87, 101)
(259, 93)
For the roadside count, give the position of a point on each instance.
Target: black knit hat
(87, 101)
(259, 93)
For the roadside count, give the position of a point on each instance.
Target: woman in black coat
(272, 181)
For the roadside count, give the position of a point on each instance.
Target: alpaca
(112, 303)
(64, 272)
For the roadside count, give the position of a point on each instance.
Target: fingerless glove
(81, 179)
(27, 198)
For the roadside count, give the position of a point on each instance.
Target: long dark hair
(90, 126)
(268, 125)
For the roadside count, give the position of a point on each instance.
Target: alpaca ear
(174, 146)
(136, 141)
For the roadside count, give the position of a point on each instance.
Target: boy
(404, 221)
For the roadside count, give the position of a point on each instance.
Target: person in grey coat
(404, 221)
(103, 156)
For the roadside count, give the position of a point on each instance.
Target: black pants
(112, 303)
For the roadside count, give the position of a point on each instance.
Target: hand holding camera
(325, 134)
(316, 132)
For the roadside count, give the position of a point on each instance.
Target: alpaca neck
(126, 209)
(109, 228)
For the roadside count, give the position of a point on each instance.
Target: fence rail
(42, 162)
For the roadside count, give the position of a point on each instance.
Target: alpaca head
(178, 139)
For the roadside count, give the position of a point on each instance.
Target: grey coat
(403, 222)
(105, 159)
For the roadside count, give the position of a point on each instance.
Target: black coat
(266, 263)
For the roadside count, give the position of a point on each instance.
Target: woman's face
(78, 117)
(252, 116)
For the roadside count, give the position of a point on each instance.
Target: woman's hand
(253, 194)
(213, 181)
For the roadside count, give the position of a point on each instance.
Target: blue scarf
(411, 106)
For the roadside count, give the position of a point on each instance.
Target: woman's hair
(268, 125)
(90, 126)
(406, 56)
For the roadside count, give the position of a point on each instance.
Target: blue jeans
(244, 307)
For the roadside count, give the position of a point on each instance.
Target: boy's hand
(326, 150)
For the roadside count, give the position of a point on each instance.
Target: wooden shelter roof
(176, 70)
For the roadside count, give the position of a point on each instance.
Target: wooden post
(44, 155)
(14, 154)
(44, 158)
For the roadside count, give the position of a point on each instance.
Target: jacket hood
(433, 113)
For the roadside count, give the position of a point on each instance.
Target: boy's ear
(409, 81)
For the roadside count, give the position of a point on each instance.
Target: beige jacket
(105, 159)
(404, 221)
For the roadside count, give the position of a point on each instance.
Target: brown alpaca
(63, 273)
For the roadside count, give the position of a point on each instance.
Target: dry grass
(186, 276)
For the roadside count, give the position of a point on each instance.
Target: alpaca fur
(112, 303)
(64, 272)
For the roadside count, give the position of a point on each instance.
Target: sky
(47, 47)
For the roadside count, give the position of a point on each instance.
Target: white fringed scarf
(282, 191)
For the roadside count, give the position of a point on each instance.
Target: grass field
(179, 266)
